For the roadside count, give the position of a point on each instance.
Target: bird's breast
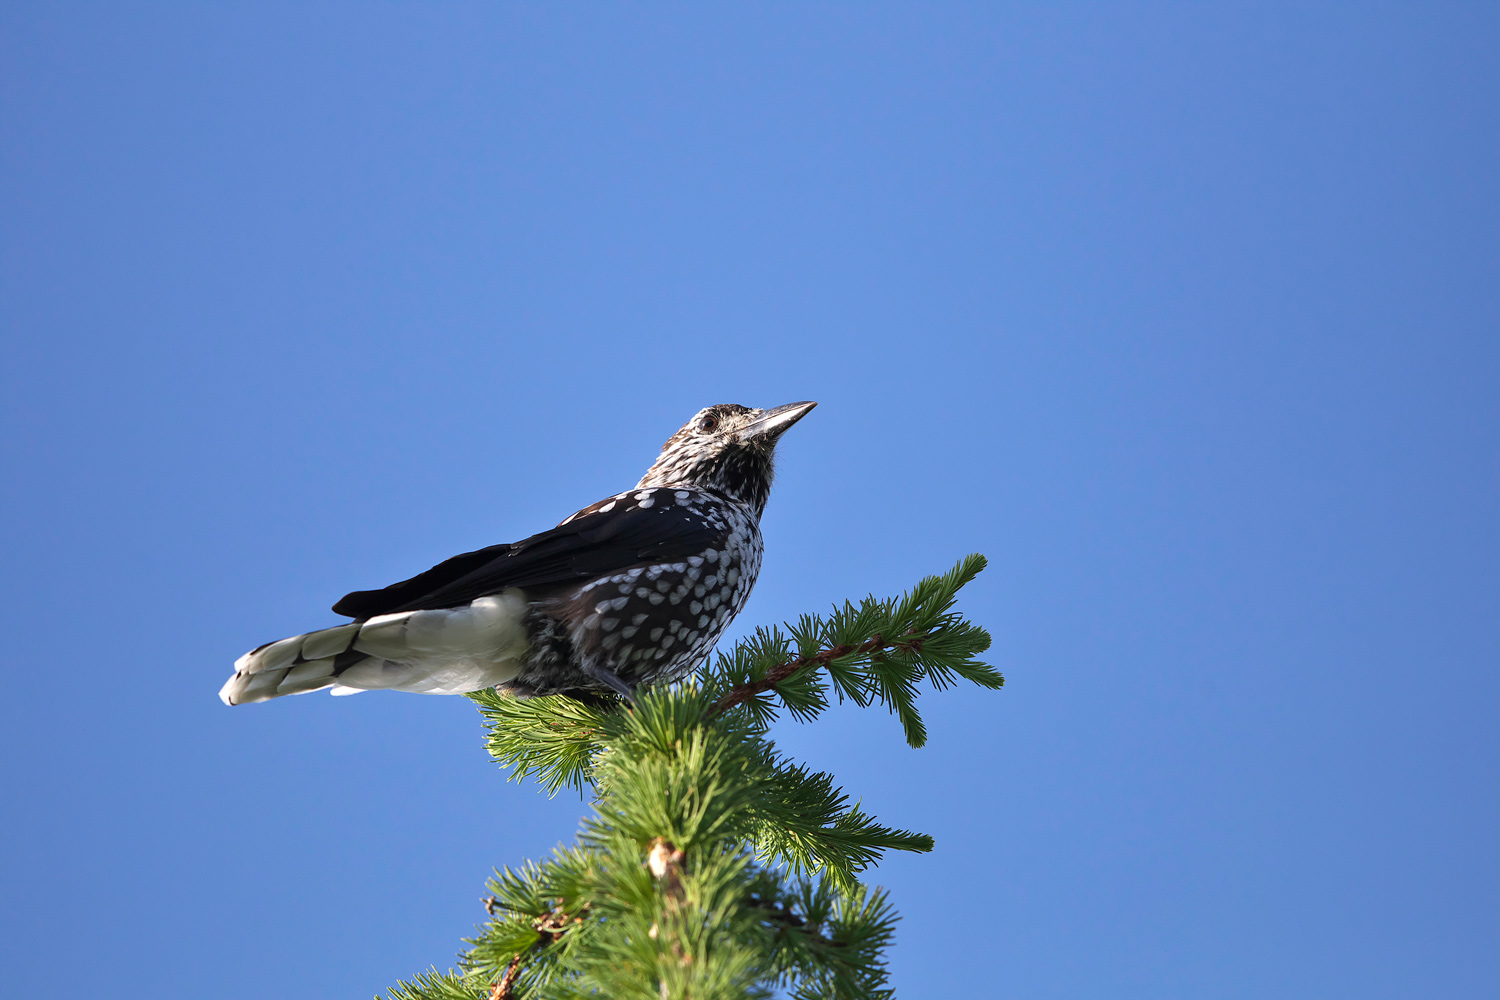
(659, 620)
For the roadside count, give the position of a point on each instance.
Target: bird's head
(726, 447)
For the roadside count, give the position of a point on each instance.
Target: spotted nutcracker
(633, 589)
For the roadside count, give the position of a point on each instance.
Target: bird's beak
(772, 423)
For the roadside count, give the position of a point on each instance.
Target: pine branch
(879, 651)
(554, 737)
(711, 866)
(740, 693)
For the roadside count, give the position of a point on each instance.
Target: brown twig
(502, 989)
(552, 926)
(777, 912)
(665, 861)
(744, 692)
(549, 928)
(789, 921)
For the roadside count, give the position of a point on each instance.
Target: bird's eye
(708, 423)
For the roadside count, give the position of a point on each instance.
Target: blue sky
(1187, 316)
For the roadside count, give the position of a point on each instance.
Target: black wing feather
(589, 545)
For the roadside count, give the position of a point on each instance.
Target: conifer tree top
(712, 866)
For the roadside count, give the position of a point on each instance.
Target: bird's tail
(446, 651)
(297, 665)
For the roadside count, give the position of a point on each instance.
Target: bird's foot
(609, 678)
(593, 699)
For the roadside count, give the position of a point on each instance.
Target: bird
(634, 589)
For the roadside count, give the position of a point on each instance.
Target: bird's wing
(591, 543)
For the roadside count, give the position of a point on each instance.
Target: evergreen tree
(713, 868)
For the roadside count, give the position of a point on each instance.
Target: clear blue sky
(1187, 316)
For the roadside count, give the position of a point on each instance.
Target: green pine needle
(711, 866)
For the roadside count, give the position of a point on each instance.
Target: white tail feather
(450, 651)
